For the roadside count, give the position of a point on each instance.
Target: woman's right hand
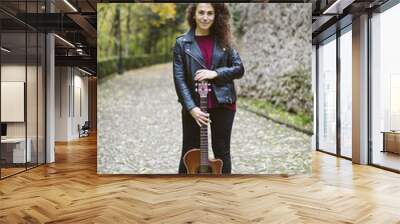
(199, 116)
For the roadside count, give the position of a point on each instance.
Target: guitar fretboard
(203, 135)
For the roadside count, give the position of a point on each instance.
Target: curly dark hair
(221, 27)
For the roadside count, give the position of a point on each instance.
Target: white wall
(33, 126)
(81, 82)
(70, 83)
(12, 73)
(12, 101)
(61, 103)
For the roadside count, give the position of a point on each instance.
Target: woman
(205, 53)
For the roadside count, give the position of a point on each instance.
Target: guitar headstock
(203, 88)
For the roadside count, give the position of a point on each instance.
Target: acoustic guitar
(196, 160)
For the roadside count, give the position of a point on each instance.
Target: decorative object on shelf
(391, 141)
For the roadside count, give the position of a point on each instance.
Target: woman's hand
(199, 116)
(203, 74)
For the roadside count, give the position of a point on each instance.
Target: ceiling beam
(84, 24)
(81, 61)
(320, 22)
(337, 6)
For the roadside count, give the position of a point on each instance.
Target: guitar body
(196, 160)
(191, 160)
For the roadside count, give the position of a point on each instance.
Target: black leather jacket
(188, 59)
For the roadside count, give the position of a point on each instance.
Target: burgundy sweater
(206, 44)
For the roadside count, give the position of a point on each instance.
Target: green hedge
(110, 66)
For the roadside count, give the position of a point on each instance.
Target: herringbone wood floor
(70, 191)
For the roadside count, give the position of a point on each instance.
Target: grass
(301, 121)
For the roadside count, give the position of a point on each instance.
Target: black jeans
(221, 129)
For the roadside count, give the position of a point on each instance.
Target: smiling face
(204, 16)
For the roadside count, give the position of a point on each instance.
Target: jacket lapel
(193, 49)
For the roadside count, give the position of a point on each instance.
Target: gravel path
(139, 130)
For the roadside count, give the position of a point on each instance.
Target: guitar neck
(203, 135)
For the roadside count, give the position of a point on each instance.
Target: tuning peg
(195, 89)
(196, 84)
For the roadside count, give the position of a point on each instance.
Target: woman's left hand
(203, 74)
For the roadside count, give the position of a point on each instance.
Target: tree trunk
(119, 39)
(129, 31)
